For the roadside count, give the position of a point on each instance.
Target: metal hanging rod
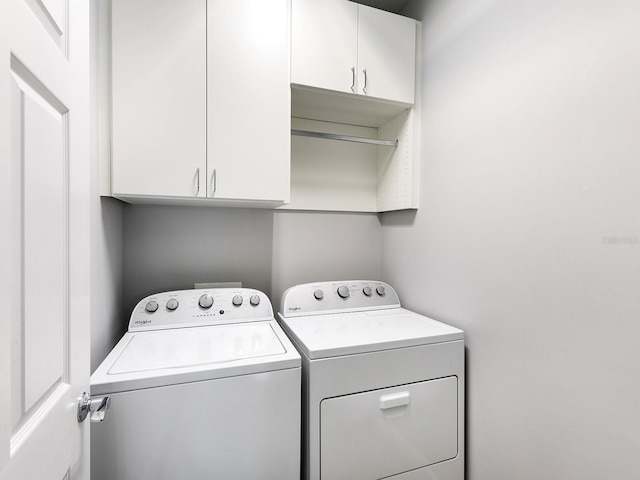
(345, 138)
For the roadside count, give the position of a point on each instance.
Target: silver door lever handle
(99, 408)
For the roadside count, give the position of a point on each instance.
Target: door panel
(43, 161)
(52, 16)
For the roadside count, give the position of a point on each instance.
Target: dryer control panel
(200, 307)
(340, 296)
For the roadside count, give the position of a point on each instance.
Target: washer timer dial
(205, 301)
(172, 304)
(151, 306)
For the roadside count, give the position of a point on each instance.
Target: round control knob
(318, 294)
(380, 290)
(237, 300)
(343, 291)
(367, 291)
(205, 301)
(254, 300)
(172, 304)
(151, 306)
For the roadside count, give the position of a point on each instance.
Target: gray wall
(316, 246)
(169, 248)
(106, 277)
(528, 230)
(140, 250)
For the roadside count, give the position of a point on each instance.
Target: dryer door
(389, 431)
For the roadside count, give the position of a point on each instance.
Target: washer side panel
(203, 430)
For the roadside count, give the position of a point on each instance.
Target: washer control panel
(212, 306)
(342, 296)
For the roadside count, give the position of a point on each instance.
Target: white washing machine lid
(336, 334)
(166, 357)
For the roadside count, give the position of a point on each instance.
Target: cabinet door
(387, 52)
(324, 43)
(249, 100)
(159, 97)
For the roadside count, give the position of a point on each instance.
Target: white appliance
(383, 387)
(205, 384)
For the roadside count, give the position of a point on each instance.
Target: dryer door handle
(394, 400)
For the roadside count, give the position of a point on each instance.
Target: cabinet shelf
(345, 138)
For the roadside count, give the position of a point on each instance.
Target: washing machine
(204, 385)
(383, 387)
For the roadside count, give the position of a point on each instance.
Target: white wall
(528, 230)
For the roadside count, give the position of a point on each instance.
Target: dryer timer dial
(237, 300)
(343, 291)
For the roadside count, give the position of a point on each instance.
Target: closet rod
(345, 138)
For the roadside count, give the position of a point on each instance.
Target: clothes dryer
(205, 384)
(383, 387)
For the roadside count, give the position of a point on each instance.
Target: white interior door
(44, 242)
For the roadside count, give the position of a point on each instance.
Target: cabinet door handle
(214, 181)
(353, 81)
(364, 89)
(197, 181)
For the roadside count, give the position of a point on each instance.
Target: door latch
(97, 407)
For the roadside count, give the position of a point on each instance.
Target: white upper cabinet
(249, 100)
(159, 98)
(353, 76)
(386, 55)
(345, 47)
(324, 44)
(201, 101)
